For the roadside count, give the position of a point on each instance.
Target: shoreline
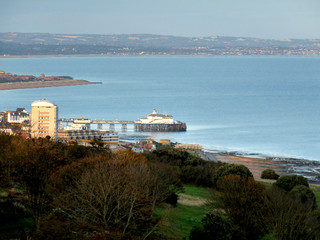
(310, 169)
(147, 55)
(43, 84)
(257, 162)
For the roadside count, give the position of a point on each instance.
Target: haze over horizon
(283, 19)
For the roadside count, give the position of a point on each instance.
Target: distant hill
(149, 44)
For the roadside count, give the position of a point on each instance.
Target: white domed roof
(42, 103)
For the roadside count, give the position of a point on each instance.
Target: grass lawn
(200, 192)
(178, 221)
(316, 190)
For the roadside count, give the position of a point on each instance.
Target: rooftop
(42, 103)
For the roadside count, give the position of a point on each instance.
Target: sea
(263, 106)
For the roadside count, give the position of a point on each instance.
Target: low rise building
(165, 142)
(83, 136)
(18, 116)
(1, 116)
(189, 146)
(110, 137)
(75, 127)
(66, 135)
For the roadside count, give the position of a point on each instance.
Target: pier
(88, 122)
(153, 122)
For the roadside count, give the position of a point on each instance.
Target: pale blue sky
(275, 19)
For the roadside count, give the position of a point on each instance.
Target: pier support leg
(99, 126)
(111, 127)
(88, 126)
(124, 127)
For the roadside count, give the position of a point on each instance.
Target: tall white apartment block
(44, 117)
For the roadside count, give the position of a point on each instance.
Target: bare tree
(116, 193)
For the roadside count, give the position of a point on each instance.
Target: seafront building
(18, 116)
(44, 122)
(83, 136)
(155, 122)
(189, 146)
(44, 117)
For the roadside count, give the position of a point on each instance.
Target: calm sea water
(267, 105)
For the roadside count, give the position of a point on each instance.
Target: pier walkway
(99, 123)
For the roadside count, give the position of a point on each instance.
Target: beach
(282, 166)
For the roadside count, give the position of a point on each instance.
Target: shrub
(305, 194)
(288, 182)
(216, 228)
(15, 219)
(172, 199)
(269, 174)
(231, 169)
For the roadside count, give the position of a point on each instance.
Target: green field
(316, 190)
(178, 222)
(195, 191)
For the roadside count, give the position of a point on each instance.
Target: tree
(216, 227)
(290, 218)
(269, 174)
(8, 144)
(234, 169)
(305, 194)
(117, 194)
(192, 169)
(13, 219)
(288, 182)
(244, 202)
(36, 161)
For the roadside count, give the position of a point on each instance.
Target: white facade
(75, 127)
(18, 116)
(155, 118)
(110, 137)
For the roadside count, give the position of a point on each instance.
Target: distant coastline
(149, 55)
(61, 83)
(19, 44)
(9, 81)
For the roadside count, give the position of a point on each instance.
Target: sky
(272, 19)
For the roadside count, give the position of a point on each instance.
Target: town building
(1, 116)
(75, 127)
(110, 137)
(66, 135)
(165, 142)
(82, 135)
(155, 122)
(44, 117)
(189, 146)
(18, 116)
